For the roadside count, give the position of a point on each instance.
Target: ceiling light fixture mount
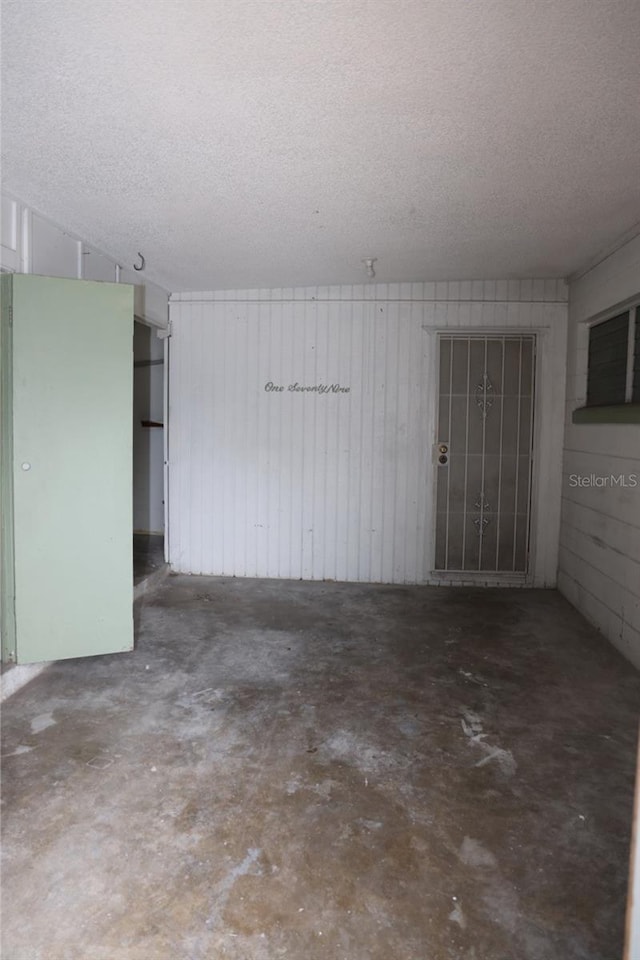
(369, 262)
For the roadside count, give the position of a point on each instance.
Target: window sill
(615, 413)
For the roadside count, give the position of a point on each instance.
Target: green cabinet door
(66, 473)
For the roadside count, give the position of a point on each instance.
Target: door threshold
(470, 578)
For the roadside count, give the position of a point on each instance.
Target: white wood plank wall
(332, 486)
(599, 564)
(31, 243)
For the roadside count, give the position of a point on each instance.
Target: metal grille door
(483, 460)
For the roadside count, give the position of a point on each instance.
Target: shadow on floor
(148, 555)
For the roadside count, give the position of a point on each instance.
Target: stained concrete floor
(148, 555)
(310, 771)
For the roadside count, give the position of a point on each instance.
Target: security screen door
(66, 475)
(484, 453)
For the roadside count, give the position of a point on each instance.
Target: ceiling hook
(142, 262)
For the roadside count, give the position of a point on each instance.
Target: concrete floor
(311, 770)
(148, 555)
(149, 569)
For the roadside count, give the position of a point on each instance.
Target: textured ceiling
(256, 143)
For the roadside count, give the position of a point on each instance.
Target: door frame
(7, 552)
(486, 578)
(162, 333)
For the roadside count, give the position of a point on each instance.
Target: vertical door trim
(535, 452)
(7, 551)
(165, 441)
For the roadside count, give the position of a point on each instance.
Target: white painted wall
(599, 566)
(148, 450)
(30, 243)
(336, 486)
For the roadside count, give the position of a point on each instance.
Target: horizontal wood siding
(599, 561)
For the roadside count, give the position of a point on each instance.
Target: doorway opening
(148, 453)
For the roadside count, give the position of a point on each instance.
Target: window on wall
(613, 370)
(607, 370)
(635, 388)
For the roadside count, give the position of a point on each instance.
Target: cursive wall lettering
(321, 388)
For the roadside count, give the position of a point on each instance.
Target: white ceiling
(258, 143)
